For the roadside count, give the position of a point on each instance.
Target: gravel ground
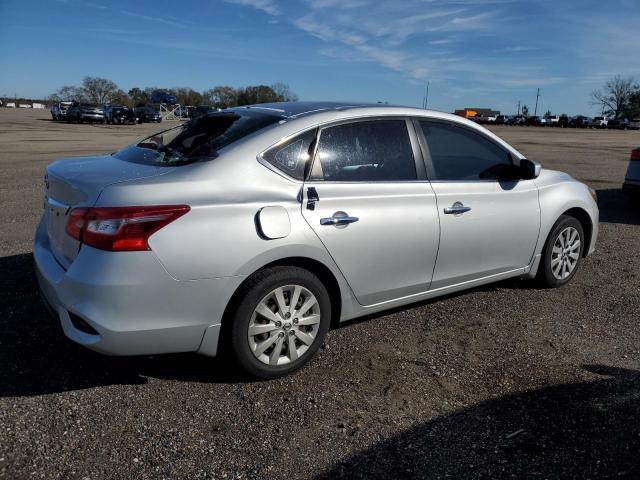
(504, 381)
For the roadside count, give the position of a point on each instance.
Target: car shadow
(588, 429)
(37, 358)
(616, 207)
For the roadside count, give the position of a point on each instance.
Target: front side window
(291, 157)
(199, 139)
(458, 153)
(366, 151)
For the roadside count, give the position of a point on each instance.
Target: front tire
(281, 320)
(562, 253)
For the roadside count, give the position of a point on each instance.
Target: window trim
(426, 153)
(263, 161)
(419, 161)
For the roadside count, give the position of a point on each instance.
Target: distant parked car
(552, 120)
(148, 115)
(533, 121)
(517, 120)
(160, 96)
(502, 119)
(618, 123)
(634, 124)
(184, 112)
(631, 184)
(124, 116)
(202, 110)
(59, 110)
(599, 122)
(579, 121)
(111, 110)
(85, 112)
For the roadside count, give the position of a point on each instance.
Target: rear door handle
(456, 209)
(338, 218)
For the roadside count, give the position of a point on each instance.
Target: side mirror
(529, 169)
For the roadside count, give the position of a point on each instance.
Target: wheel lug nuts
(281, 334)
(287, 315)
(291, 332)
(278, 323)
(295, 321)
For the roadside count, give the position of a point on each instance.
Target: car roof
(295, 109)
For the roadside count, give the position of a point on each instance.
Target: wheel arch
(314, 266)
(583, 217)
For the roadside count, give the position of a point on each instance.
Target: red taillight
(635, 154)
(121, 228)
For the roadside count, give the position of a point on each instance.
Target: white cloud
(267, 6)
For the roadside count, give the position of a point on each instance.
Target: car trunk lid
(78, 182)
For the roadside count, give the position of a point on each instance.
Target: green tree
(138, 97)
(222, 97)
(257, 94)
(525, 110)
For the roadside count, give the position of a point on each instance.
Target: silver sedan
(249, 232)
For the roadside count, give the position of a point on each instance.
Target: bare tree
(68, 93)
(615, 95)
(99, 90)
(284, 92)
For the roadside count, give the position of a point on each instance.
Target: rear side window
(460, 154)
(199, 139)
(292, 156)
(367, 151)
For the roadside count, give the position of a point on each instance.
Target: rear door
(370, 204)
(489, 219)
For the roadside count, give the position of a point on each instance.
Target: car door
(489, 218)
(370, 204)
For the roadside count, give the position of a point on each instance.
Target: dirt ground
(504, 381)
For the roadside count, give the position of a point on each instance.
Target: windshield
(199, 139)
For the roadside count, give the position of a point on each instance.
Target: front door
(489, 219)
(376, 217)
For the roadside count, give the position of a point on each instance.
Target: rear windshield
(199, 139)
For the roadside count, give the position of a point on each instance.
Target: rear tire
(281, 320)
(562, 253)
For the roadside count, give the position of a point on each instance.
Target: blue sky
(473, 52)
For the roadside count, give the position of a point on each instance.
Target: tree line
(101, 91)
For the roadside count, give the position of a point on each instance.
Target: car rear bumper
(125, 303)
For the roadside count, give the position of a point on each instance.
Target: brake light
(121, 229)
(635, 154)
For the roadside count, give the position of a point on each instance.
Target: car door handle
(338, 220)
(456, 209)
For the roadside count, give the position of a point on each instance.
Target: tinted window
(199, 139)
(376, 150)
(291, 156)
(458, 153)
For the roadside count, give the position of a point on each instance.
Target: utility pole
(535, 111)
(518, 107)
(425, 100)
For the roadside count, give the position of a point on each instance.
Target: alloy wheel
(284, 325)
(565, 253)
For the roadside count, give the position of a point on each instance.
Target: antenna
(425, 100)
